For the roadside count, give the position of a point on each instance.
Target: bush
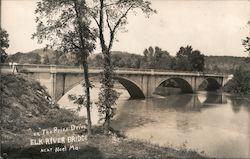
(240, 82)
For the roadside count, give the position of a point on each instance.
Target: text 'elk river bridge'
(140, 83)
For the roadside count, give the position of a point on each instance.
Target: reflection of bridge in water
(139, 83)
(191, 102)
(162, 107)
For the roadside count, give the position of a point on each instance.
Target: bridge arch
(133, 89)
(183, 84)
(210, 84)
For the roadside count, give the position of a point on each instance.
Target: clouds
(214, 27)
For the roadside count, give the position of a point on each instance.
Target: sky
(215, 27)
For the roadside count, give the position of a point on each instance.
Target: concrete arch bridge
(139, 83)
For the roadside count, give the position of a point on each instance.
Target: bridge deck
(22, 68)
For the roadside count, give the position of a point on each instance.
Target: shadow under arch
(134, 91)
(177, 83)
(66, 90)
(209, 84)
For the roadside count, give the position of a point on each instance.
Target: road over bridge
(139, 83)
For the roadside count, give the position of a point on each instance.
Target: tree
(182, 59)
(4, 42)
(216, 69)
(240, 82)
(32, 58)
(189, 60)
(45, 59)
(246, 44)
(97, 61)
(111, 16)
(157, 58)
(65, 24)
(197, 60)
(63, 60)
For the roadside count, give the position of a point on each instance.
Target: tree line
(186, 59)
(212, 64)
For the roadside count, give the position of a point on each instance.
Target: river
(215, 124)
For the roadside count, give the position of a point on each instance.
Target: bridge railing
(55, 68)
(159, 70)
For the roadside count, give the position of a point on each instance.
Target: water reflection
(182, 102)
(179, 103)
(215, 98)
(238, 102)
(204, 122)
(190, 102)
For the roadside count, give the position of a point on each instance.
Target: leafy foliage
(4, 44)
(107, 97)
(246, 44)
(189, 60)
(156, 58)
(240, 82)
(186, 59)
(58, 24)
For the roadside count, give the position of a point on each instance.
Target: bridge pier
(57, 85)
(148, 85)
(193, 84)
(52, 89)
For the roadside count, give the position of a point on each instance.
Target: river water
(215, 124)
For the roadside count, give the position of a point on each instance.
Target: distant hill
(43, 56)
(225, 63)
(121, 59)
(23, 58)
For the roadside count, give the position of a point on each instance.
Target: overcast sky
(215, 27)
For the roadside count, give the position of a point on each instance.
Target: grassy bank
(100, 146)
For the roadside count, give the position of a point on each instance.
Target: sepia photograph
(125, 79)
